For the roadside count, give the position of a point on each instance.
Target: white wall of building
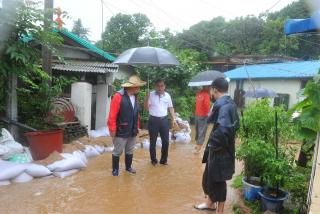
(81, 98)
(281, 86)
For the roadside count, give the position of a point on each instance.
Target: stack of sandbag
(70, 164)
(102, 132)
(146, 143)
(20, 173)
(182, 133)
(96, 146)
(8, 146)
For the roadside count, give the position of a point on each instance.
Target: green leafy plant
(254, 154)
(35, 100)
(258, 122)
(298, 185)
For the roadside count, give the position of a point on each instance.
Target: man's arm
(173, 116)
(146, 101)
(113, 114)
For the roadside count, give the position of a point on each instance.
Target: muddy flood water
(174, 188)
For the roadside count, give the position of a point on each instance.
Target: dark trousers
(158, 125)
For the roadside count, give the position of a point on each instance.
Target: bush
(258, 122)
(254, 154)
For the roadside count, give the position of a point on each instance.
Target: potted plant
(253, 153)
(276, 173)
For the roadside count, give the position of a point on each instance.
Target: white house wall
(281, 86)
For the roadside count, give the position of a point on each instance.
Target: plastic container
(43, 143)
(272, 204)
(250, 191)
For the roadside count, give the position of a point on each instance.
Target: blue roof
(301, 69)
(312, 24)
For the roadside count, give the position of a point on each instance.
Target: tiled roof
(300, 69)
(85, 66)
(86, 44)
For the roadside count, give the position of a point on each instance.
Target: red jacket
(122, 117)
(202, 103)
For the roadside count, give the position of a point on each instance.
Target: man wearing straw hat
(124, 121)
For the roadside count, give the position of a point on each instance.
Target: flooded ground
(174, 188)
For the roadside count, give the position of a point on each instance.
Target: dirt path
(161, 189)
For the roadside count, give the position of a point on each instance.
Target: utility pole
(46, 53)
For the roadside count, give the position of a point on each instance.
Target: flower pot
(270, 203)
(250, 191)
(43, 143)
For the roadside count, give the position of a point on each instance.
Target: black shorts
(217, 191)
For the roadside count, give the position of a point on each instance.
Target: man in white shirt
(158, 103)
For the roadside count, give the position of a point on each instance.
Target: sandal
(203, 206)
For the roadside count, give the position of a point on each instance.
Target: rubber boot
(115, 165)
(128, 160)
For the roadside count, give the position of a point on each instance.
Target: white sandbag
(5, 135)
(159, 142)
(108, 149)
(90, 151)
(22, 178)
(81, 156)
(102, 132)
(182, 137)
(66, 164)
(99, 149)
(8, 146)
(5, 183)
(145, 144)
(66, 155)
(65, 173)
(37, 170)
(10, 170)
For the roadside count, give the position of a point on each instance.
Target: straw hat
(134, 81)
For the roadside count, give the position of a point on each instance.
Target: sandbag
(99, 149)
(22, 178)
(36, 170)
(108, 149)
(104, 131)
(5, 183)
(66, 164)
(90, 151)
(65, 173)
(10, 170)
(81, 155)
(182, 137)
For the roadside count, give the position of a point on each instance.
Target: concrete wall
(282, 86)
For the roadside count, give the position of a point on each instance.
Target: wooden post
(46, 53)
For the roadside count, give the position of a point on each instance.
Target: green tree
(274, 41)
(126, 31)
(22, 55)
(79, 30)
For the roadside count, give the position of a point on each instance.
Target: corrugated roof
(86, 67)
(301, 69)
(86, 44)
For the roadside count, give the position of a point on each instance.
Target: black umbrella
(147, 56)
(260, 93)
(205, 78)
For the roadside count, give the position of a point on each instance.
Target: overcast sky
(174, 14)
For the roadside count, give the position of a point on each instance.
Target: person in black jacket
(124, 121)
(219, 154)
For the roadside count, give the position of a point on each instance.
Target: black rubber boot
(115, 165)
(128, 160)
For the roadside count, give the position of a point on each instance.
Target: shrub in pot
(253, 153)
(276, 173)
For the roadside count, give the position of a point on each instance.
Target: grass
(237, 182)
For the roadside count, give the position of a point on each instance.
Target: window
(282, 99)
